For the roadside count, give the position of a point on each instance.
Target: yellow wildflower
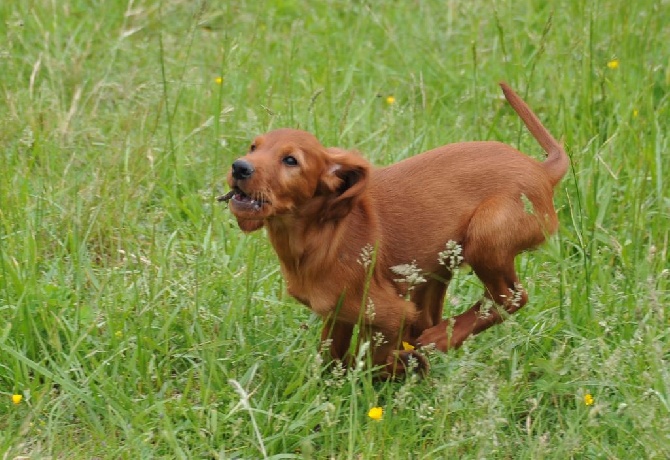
(218, 80)
(376, 413)
(16, 399)
(613, 64)
(390, 100)
(118, 334)
(588, 399)
(635, 112)
(407, 346)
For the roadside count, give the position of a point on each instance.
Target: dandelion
(407, 346)
(218, 80)
(390, 100)
(613, 64)
(588, 399)
(16, 399)
(635, 113)
(376, 413)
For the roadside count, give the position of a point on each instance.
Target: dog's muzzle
(242, 170)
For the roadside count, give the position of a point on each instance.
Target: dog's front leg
(394, 357)
(393, 320)
(336, 337)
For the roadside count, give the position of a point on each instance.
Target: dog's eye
(252, 147)
(289, 161)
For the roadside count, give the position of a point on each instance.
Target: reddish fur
(325, 210)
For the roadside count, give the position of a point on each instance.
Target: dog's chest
(321, 288)
(316, 296)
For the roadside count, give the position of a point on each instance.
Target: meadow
(138, 321)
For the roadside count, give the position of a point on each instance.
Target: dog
(346, 232)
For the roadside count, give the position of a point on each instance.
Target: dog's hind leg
(498, 231)
(502, 292)
(429, 300)
(503, 296)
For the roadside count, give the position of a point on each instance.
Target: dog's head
(288, 172)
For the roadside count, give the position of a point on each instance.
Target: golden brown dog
(376, 246)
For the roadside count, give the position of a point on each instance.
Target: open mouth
(243, 201)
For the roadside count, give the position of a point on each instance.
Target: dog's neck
(290, 238)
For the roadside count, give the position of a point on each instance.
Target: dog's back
(433, 195)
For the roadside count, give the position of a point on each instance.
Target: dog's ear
(343, 183)
(250, 225)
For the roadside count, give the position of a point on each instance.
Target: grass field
(137, 321)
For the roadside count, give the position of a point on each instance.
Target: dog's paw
(447, 335)
(436, 337)
(404, 362)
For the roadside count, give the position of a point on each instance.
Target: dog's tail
(557, 161)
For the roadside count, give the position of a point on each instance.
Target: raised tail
(557, 161)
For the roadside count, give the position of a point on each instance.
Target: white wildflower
(426, 411)
(378, 339)
(370, 310)
(330, 414)
(366, 256)
(337, 373)
(485, 307)
(360, 357)
(411, 274)
(27, 137)
(452, 256)
(325, 345)
(412, 364)
(517, 292)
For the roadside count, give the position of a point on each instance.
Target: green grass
(137, 321)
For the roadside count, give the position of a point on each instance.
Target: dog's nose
(242, 169)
